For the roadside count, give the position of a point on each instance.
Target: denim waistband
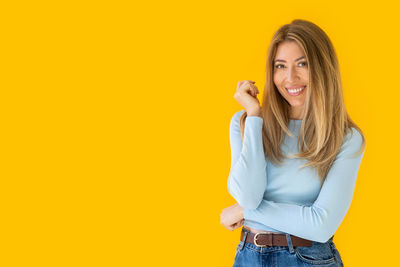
(273, 248)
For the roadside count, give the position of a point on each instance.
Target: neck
(296, 113)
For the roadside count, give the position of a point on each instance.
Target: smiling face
(291, 76)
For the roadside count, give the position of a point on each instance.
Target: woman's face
(291, 74)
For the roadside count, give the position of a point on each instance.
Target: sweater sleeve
(247, 179)
(319, 221)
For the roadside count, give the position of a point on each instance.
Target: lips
(295, 91)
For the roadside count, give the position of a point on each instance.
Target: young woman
(295, 158)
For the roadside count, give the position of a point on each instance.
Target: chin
(296, 104)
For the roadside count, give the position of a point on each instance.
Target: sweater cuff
(255, 121)
(256, 118)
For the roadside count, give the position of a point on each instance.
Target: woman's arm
(247, 178)
(319, 221)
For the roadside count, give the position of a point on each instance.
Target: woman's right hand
(246, 95)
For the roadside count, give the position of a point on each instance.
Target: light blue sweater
(283, 198)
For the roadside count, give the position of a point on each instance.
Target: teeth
(296, 90)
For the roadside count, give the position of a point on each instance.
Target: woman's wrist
(254, 113)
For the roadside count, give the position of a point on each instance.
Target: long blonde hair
(325, 123)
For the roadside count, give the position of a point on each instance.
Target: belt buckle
(255, 239)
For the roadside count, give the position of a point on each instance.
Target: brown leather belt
(270, 240)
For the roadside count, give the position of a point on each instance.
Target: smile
(295, 92)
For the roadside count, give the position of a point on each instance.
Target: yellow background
(115, 126)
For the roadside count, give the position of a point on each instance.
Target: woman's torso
(286, 183)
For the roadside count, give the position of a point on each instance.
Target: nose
(291, 74)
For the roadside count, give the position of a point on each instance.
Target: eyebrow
(285, 60)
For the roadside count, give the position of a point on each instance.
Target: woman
(295, 158)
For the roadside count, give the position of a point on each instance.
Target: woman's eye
(280, 66)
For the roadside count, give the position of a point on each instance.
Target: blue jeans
(319, 254)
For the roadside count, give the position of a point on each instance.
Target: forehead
(288, 50)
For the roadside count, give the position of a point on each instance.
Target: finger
(254, 90)
(229, 228)
(254, 86)
(245, 81)
(249, 82)
(249, 87)
(237, 225)
(257, 91)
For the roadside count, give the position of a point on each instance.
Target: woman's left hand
(232, 217)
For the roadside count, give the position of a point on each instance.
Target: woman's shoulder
(353, 137)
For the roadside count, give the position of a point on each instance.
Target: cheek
(277, 80)
(280, 90)
(305, 76)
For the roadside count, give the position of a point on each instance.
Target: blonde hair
(325, 123)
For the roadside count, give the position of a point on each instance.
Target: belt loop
(290, 245)
(243, 241)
